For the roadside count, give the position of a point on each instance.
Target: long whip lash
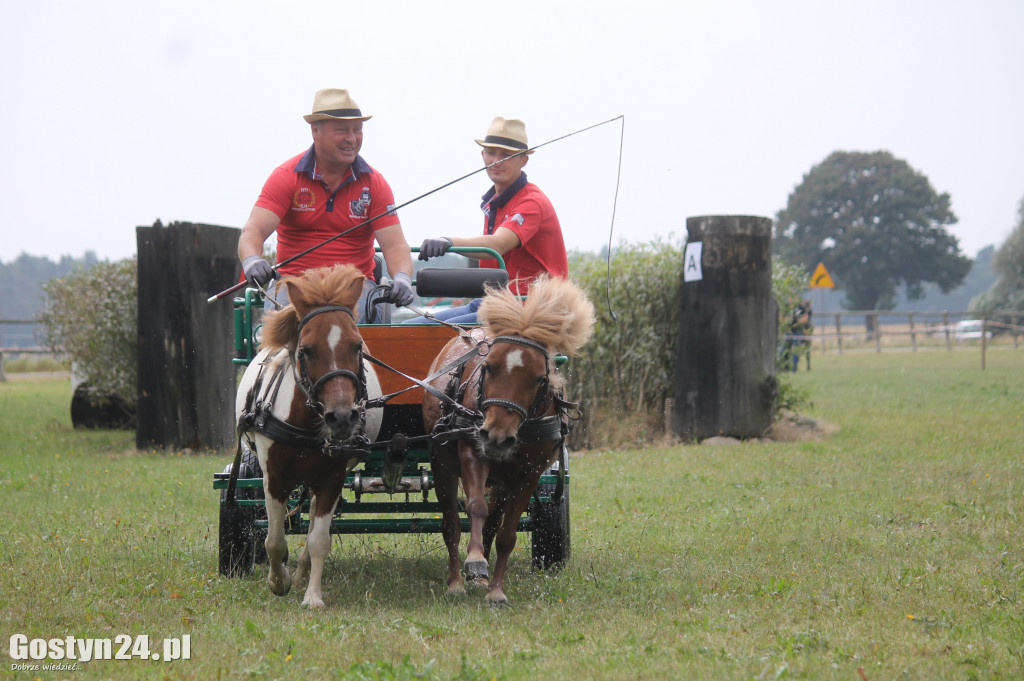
(368, 221)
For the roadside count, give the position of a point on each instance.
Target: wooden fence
(18, 350)
(895, 330)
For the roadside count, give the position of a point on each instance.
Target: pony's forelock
(316, 287)
(557, 314)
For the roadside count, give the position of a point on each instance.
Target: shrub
(91, 317)
(626, 371)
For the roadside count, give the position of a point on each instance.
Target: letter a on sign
(691, 261)
(821, 278)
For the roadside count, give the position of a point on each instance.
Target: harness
(259, 401)
(533, 428)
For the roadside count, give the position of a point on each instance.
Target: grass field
(891, 550)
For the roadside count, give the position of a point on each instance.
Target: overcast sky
(117, 113)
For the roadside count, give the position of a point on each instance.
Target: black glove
(401, 289)
(434, 248)
(258, 271)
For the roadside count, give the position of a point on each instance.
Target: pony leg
(474, 481)
(446, 487)
(301, 577)
(318, 544)
(514, 507)
(494, 515)
(277, 547)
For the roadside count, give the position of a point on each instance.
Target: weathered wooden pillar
(186, 378)
(728, 331)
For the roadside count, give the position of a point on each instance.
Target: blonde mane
(336, 285)
(557, 314)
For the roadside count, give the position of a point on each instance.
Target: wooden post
(186, 378)
(984, 340)
(878, 332)
(913, 336)
(839, 332)
(945, 325)
(1013, 322)
(728, 332)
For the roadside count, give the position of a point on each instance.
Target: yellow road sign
(821, 278)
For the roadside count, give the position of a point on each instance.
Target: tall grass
(891, 550)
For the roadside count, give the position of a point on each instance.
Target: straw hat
(333, 104)
(506, 133)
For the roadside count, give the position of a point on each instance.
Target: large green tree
(1007, 293)
(876, 223)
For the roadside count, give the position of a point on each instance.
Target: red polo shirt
(309, 214)
(528, 213)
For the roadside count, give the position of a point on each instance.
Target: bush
(91, 317)
(626, 371)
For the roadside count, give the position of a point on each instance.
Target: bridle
(542, 390)
(310, 388)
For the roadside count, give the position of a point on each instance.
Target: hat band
(506, 141)
(340, 113)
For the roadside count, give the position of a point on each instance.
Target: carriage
(392, 489)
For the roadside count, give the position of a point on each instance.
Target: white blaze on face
(514, 359)
(333, 338)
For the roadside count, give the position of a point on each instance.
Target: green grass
(894, 547)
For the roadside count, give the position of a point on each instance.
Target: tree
(876, 223)
(1007, 293)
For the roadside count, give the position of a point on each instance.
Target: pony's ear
(297, 297)
(281, 328)
(353, 292)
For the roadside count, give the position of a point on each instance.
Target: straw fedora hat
(333, 104)
(506, 133)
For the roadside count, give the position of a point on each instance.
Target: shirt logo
(304, 200)
(359, 206)
(518, 219)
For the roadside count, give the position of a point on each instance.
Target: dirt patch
(790, 428)
(798, 427)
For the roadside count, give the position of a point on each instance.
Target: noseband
(304, 381)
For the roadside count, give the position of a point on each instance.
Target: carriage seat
(458, 282)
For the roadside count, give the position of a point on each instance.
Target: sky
(117, 113)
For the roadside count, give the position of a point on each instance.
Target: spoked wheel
(241, 542)
(551, 531)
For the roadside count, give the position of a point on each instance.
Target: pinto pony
(514, 384)
(300, 402)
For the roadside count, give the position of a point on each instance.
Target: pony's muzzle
(497, 442)
(342, 422)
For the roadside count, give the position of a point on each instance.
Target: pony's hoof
(496, 600)
(455, 590)
(476, 571)
(313, 603)
(281, 585)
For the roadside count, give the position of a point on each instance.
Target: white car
(968, 330)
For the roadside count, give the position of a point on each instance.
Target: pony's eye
(304, 352)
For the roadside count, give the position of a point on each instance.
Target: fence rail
(891, 330)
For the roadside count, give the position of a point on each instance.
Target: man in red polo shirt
(326, 190)
(519, 221)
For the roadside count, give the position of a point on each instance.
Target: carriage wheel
(551, 530)
(241, 544)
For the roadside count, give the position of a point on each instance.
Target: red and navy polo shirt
(528, 212)
(309, 214)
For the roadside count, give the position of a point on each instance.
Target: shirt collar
(307, 165)
(489, 199)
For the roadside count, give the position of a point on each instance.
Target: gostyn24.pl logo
(28, 654)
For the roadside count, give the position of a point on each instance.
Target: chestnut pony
(515, 386)
(299, 404)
